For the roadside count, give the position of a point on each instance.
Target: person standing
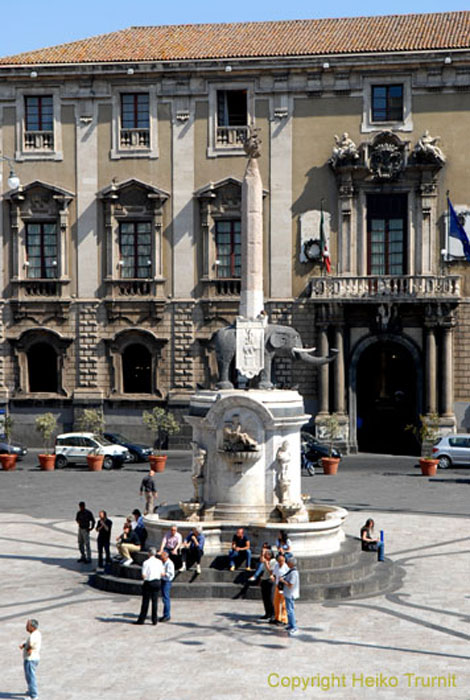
(86, 523)
(103, 527)
(31, 649)
(281, 568)
(291, 593)
(267, 584)
(148, 489)
(167, 577)
(240, 547)
(152, 570)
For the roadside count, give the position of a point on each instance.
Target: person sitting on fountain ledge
(192, 549)
(369, 543)
(240, 546)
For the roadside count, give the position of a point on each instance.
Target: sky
(38, 25)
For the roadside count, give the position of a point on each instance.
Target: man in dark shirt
(127, 543)
(86, 523)
(147, 488)
(103, 528)
(192, 549)
(240, 547)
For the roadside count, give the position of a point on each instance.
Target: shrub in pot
(161, 424)
(427, 432)
(92, 421)
(330, 432)
(46, 425)
(8, 461)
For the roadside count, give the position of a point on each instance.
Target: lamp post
(13, 179)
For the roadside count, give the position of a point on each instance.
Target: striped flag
(324, 246)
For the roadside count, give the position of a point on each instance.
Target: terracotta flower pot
(47, 462)
(8, 462)
(428, 466)
(95, 462)
(157, 462)
(330, 465)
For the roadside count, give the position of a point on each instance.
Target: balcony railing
(135, 138)
(405, 287)
(39, 141)
(230, 136)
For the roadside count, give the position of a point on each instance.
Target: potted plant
(92, 421)
(8, 460)
(161, 424)
(46, 426)
(427, 432)
(330, 432)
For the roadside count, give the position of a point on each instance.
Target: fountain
(246, 442)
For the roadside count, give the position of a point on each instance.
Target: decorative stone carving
(426, 151)
(252, 143)
(386, 156)
(199, 461)
(250, 346)
(283, 459)
(235, 440)
(345, 152)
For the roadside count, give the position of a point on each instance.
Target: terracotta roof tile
(418, 32)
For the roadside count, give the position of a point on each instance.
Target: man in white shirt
(167, 577)
(291, 593)
(152, 570)
(31, 649)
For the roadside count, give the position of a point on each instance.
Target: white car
(73, 448)
(452, 449)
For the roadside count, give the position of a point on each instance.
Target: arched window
(137, 369)
(42, 368)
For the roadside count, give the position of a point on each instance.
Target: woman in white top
(283, 543)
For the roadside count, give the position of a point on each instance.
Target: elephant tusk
(303, 349)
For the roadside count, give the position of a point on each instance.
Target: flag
(323, 244)
(456, 230)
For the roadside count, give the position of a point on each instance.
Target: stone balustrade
(39, 141)
(135, 138)
(231, 135)
(393, 286)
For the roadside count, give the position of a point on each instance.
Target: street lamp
(13, 179)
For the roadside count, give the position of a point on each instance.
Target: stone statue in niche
(283, 458)
(199, 462)
(235, 439)
(345, 152)
(427, 150)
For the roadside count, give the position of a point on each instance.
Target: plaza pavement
(217, 649)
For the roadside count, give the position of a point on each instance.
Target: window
(41, 250)
(387, 103)
(136, 369)
(228, 245)
(135, 249)
(232, 117)
(42, 368)
(39, 123)
(386, 230)
(135, 120)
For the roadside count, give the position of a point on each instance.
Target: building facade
(121, 246)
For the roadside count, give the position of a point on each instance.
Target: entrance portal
(386, 399)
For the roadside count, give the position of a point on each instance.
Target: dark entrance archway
(386, 398)
(137, 369)
(42, 368)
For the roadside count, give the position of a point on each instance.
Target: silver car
(452, 449)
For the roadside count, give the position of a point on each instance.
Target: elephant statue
(278, 340)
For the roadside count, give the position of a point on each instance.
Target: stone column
(324, 372)
(338, 372)
(87, 204)
(447, 371)
(251, 295)
(431, 371)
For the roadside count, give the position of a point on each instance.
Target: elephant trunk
(303, 354)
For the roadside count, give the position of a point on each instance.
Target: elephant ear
(278, 339)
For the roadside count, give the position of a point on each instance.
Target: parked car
(312, 450)
(13, 448)
(139, 452)
(73, 448)
(452, 449)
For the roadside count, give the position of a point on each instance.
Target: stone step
(382, 577)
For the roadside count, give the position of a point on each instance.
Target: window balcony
(226, 287)
(135, 139)
(231, 136)
(397, 288)
(39, 141)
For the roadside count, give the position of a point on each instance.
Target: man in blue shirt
(192, 549)
(167, 577)
(291, 593)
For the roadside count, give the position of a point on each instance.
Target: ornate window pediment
(386, 156)
(136, 356)
(41, 356)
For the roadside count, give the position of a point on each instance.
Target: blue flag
(456, 230)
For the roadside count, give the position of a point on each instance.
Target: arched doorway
(137, 369)
(42, 368)
(386, 393)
